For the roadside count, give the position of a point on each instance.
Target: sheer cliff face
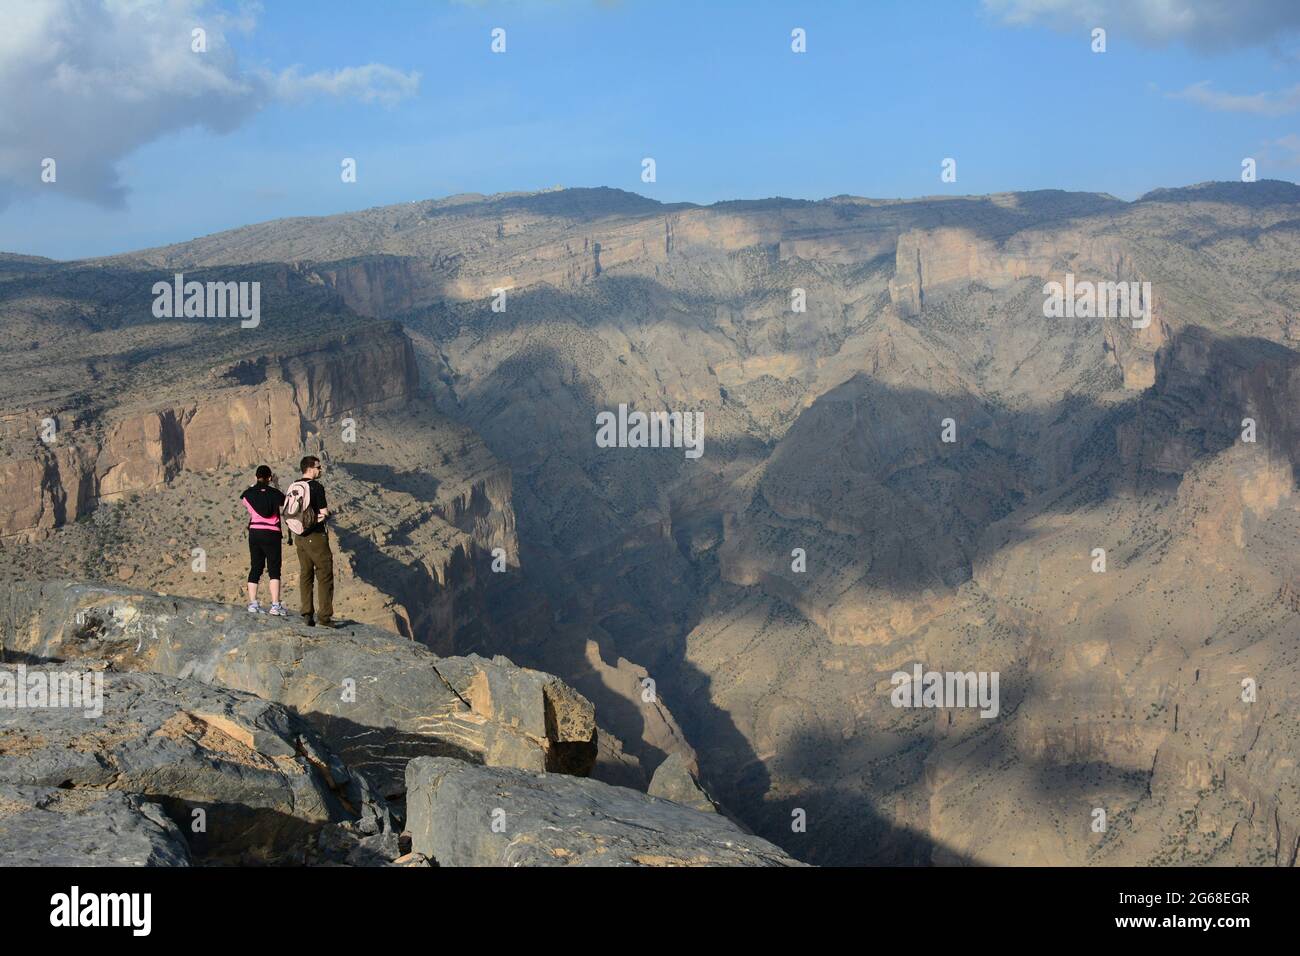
(248, 413)
(883, 394)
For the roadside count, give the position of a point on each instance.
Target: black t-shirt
(265, 501)
(316, 503)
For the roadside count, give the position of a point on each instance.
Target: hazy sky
(155, 143)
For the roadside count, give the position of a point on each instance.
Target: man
(315, 559)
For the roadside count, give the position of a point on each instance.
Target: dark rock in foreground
(376, 699)
(245, 780)
(43, 826)
(271, 729)
(460, 814)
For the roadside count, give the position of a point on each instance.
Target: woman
(263, 501)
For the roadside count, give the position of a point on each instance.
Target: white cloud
(1203, 24)
(86, 82)
(372, 83)
(1264, 104)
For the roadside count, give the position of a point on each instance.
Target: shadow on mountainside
(843, 825)
(417, 484)
(589, 522)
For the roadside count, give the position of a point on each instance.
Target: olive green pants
(316, 566)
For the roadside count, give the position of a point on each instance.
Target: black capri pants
(263, 551)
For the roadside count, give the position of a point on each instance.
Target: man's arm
(323, 510)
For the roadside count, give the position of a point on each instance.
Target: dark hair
(264, 475)
(308, 462)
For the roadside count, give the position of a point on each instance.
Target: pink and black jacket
(263, 505)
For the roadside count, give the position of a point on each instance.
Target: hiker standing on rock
(263, 501)
(306, 514)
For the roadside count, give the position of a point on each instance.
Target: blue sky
(1010, 89)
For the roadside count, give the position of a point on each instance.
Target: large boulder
(245, 780)
(460, 814)
(376, 699)
(47, 826)
(675, 780)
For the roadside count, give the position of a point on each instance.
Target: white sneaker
(278, 610)
(255, 608)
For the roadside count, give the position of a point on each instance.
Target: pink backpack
(296, 509)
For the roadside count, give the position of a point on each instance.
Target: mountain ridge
(1278, 189)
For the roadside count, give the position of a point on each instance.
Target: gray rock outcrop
(245, 780)
(375, 698)
(460, 814)
(47, 826)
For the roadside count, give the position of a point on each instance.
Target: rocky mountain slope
(829, 347)
(237, 738)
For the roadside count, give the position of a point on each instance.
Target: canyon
(660, 587)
